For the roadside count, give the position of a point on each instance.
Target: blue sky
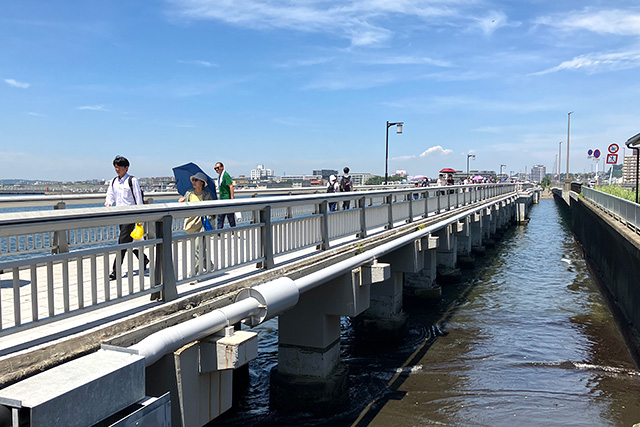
(302, 85)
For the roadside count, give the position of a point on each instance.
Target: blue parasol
(183, 176)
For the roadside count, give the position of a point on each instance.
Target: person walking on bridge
(346, 186)
(124, 190)
(225, 189)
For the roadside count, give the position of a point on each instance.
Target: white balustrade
(57, 263)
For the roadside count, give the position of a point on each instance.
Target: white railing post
(267, 238)
(389, 201)
(362, 203)
(60, 242)
(410, 195)
(324, 225)
(164, 272)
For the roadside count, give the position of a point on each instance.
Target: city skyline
(297, 85)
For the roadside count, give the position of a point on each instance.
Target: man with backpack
(345, 186)
(124, 190)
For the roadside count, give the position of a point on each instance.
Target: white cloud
(304, 62)
(36, 114)
(205, 64)
(92, 108)
(593, 63)
(402, 158)
(614, 21)
(363, 22)
(15, 83)
(492, 22)
(436, 150)
(406, 60)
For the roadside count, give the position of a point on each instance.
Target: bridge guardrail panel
(269, 227)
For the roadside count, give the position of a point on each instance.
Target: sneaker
(146, 263)
(112, 276)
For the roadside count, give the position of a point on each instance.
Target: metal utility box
(80, 393)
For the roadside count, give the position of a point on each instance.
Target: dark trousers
(346, 204)
(125, 237)
(230, 216)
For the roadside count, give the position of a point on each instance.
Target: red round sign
(596, 153)
(613, 148)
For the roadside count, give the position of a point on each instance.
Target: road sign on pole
(590, 153)
(613, 148)
(612, 159)
(596, 153)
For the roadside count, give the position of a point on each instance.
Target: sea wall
(613, 252)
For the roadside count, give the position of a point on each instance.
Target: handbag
(137, 232)
(192, 224)
(206, 223)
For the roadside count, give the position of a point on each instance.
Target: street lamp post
(559, 159)
(502, 166)
(386, 156)
(473, 156)
(566, 178)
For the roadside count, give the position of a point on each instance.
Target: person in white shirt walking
(124, 190)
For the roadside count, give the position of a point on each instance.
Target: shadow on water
(524, 333)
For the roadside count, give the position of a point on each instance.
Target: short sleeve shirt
(223, 186)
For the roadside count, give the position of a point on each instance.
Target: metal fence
(57, 263)
(625, 211)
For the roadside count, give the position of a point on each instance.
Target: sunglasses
(218, 167)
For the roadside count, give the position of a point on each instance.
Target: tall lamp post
(472, 156)
(386, 156)
(502, 166)
(566, 178)
(559, 159)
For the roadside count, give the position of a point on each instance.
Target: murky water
(526, 340)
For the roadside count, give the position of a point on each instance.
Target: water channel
(526, 339)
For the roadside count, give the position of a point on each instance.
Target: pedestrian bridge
(289, 256)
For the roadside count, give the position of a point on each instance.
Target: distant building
(629, 171)
(260, 173)
(300, 177)
(538, 172)
(325, 173)
(360, 178)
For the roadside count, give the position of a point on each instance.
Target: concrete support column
(464, 236)
(486, 224)
(423, 283)
(448, 248)
(447, 256)
(385, 320)
(199, 375)
(476, 230)
(309, 375)
(521, 212)
(493, 224)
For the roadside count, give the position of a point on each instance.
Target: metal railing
(624, 210)
(57, 263)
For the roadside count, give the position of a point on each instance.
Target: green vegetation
(616, 190)
(546, 182)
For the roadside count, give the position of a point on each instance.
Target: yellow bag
(137, 232)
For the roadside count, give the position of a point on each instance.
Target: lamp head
(399, 127)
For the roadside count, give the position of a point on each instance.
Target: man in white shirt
(124, 190)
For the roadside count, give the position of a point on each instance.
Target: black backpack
(345, 183)
(131, 187)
